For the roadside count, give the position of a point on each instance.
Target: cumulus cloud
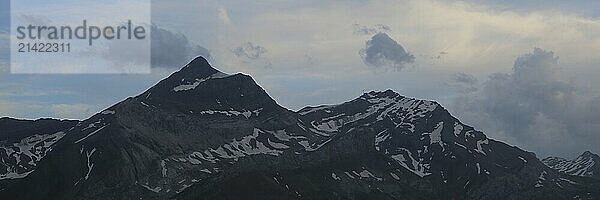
(370, 30)
(172, 50)
(465, 78)
(383, 51)
(249, 51)
(463, 82)
(168, 49)
(535, 107)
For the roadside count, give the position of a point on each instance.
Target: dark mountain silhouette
(23, 143)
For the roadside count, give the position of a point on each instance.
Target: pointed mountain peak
(586, 164)
(199, 67)
(200, 87)
(200, 60)
(189, 77)
(381, 94)
(588, 154)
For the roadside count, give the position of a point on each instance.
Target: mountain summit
(203, 134)
(587, 164)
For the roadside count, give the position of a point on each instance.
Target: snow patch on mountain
(23, 156)
(108, 112)
(187, 85)
(90, 164)
(399, 109)
(436, 135)
(410, 163)
(244, 113)
(236, 149)
(584, 165)
(90, 134)
(156, 189)
(308, 110)
(335, 177)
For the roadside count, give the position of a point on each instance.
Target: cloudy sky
(524, 72)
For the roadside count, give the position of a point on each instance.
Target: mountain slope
(423, 138)
(587, 164)
(203, 134)
(23, 143)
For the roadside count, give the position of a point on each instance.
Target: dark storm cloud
(249, 51)
(383, 51)
(172, 50)
(532, 89)
(370, 30)
(534, 106)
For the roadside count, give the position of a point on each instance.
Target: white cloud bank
(535, 107)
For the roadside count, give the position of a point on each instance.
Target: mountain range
(204, 134)
(23, 143)
(587, 164)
